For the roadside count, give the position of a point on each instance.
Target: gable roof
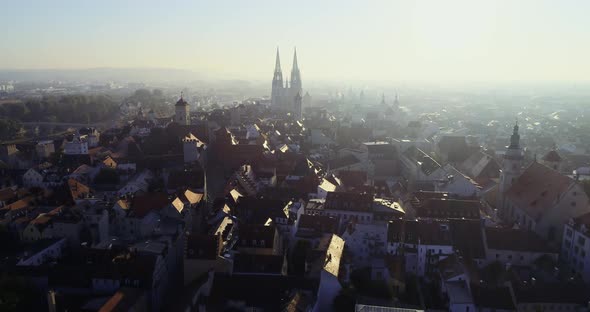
(333, 255)
(343, 162)
(480, 163)
(536, 190)
(192, 197)
(455, 147)
(426, 163)
(552, 155)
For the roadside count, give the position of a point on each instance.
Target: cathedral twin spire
(295, 73)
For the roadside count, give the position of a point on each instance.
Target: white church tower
(511, 167)
(182, 116)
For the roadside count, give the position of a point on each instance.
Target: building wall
(32, 178)
(366, 242)
(347, 215)
(575, 251)
(76, 147)
(190, 151)
(328, 290)
(45, 149)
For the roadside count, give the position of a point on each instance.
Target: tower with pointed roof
(182, 112)
(296, 87)
(511, 166)
(284, 96)
(277, 83)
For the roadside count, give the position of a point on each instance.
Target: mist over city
(295, 156)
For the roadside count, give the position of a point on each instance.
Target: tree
(9, 128)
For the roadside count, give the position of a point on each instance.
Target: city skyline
(389, 41)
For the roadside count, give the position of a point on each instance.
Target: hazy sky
(364, 40)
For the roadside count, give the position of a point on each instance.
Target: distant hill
(101, 75)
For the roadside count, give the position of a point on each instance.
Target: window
(581, 240)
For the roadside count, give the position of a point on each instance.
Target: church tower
(182, 116)
(296, 87)
(511, 167)
(277, 84)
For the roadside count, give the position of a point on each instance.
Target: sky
(450, 40)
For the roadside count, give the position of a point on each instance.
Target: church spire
(382, 98)
(515, 138)
(295, 67)
(277, 82)
(278, 62)
(295, 74)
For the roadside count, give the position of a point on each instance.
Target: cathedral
(287, 97)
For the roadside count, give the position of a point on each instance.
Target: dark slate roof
(448, 208)
(268, 292)
(348, 201)
(493, 297)
(516, 240)
(258, 210)
(199, 246)
(181, 102)
(467, 238)
(257, 264)
(553, 293)
(414, 232)
(318, 224)
(141, 205)
(343, 162)
(426, 163)
(250, 233)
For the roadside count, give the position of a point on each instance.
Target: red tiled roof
(537, 188)
(141, 205)
(553, 155)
